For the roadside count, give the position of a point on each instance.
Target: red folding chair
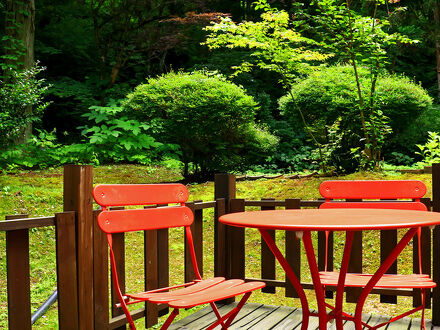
(377, 192)
(187, 295)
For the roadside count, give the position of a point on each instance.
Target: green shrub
(20, 90)
(329, 96)
(211, 119)
(110, 138)
(405, 140)
(43, 151)
(430, 151)
(115, 138)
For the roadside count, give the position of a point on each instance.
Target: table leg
(379, 273)
(320, 294)
(341, 280)
(291, 275)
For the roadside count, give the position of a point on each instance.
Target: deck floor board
(262, 317)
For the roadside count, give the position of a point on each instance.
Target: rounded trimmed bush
(211, 119)
(330, 96)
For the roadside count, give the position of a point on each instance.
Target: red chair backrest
(116, 221)
(378, 190)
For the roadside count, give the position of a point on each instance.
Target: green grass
(39, 193)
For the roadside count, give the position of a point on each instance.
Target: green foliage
(43, 151)
(211, 119)
(359, 40)
(115, 138)
(430, 151)
(274, 43)
(18, 91)
(414, 132)
(329, 96)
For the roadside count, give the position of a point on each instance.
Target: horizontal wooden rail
(28, 223)
(280, 203)
(204, 205)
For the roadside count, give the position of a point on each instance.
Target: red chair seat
(202, 292)
(387, 281)
(216, 293)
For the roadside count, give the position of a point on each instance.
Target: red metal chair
(391, 194)
(187, 295)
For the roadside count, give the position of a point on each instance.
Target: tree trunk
(20, 26)
(437, 43)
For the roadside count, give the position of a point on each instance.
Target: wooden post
(436, 246)
(18, 274)
(224, 188)
(67, 277)
(78, 186)
(100, 275)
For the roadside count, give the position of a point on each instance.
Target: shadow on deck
(262, 317)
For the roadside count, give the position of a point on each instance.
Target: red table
(304, 221)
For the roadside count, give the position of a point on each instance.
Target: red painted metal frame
(290, 274)
(337, 310)
(373, 190)
(114, 221)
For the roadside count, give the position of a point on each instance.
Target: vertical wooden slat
(426, 264)
(18, 276)
(78, 186)
(67, 271)
(119, 252)
(151, 274)
(436, 246)
(388, 241)
(235, 242)
(219, 239)
(321, 255)
(293, 251)
(224, 188)
(163, 262)
(355, 263)
(330, 254)
(197, 232)
(267, 257)
(100, 275)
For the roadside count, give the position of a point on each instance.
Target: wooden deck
(262, 317)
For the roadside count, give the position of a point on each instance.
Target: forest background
(323, 85)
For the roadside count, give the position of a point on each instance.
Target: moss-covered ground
(39, 193)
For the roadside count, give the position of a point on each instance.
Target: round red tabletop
(332, 219)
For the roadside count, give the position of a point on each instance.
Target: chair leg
(170, 319)
(217, 313)
(423, 297)
(229, 317)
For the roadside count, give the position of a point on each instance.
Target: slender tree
(19, 44)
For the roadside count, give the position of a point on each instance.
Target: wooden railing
(82, 255)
